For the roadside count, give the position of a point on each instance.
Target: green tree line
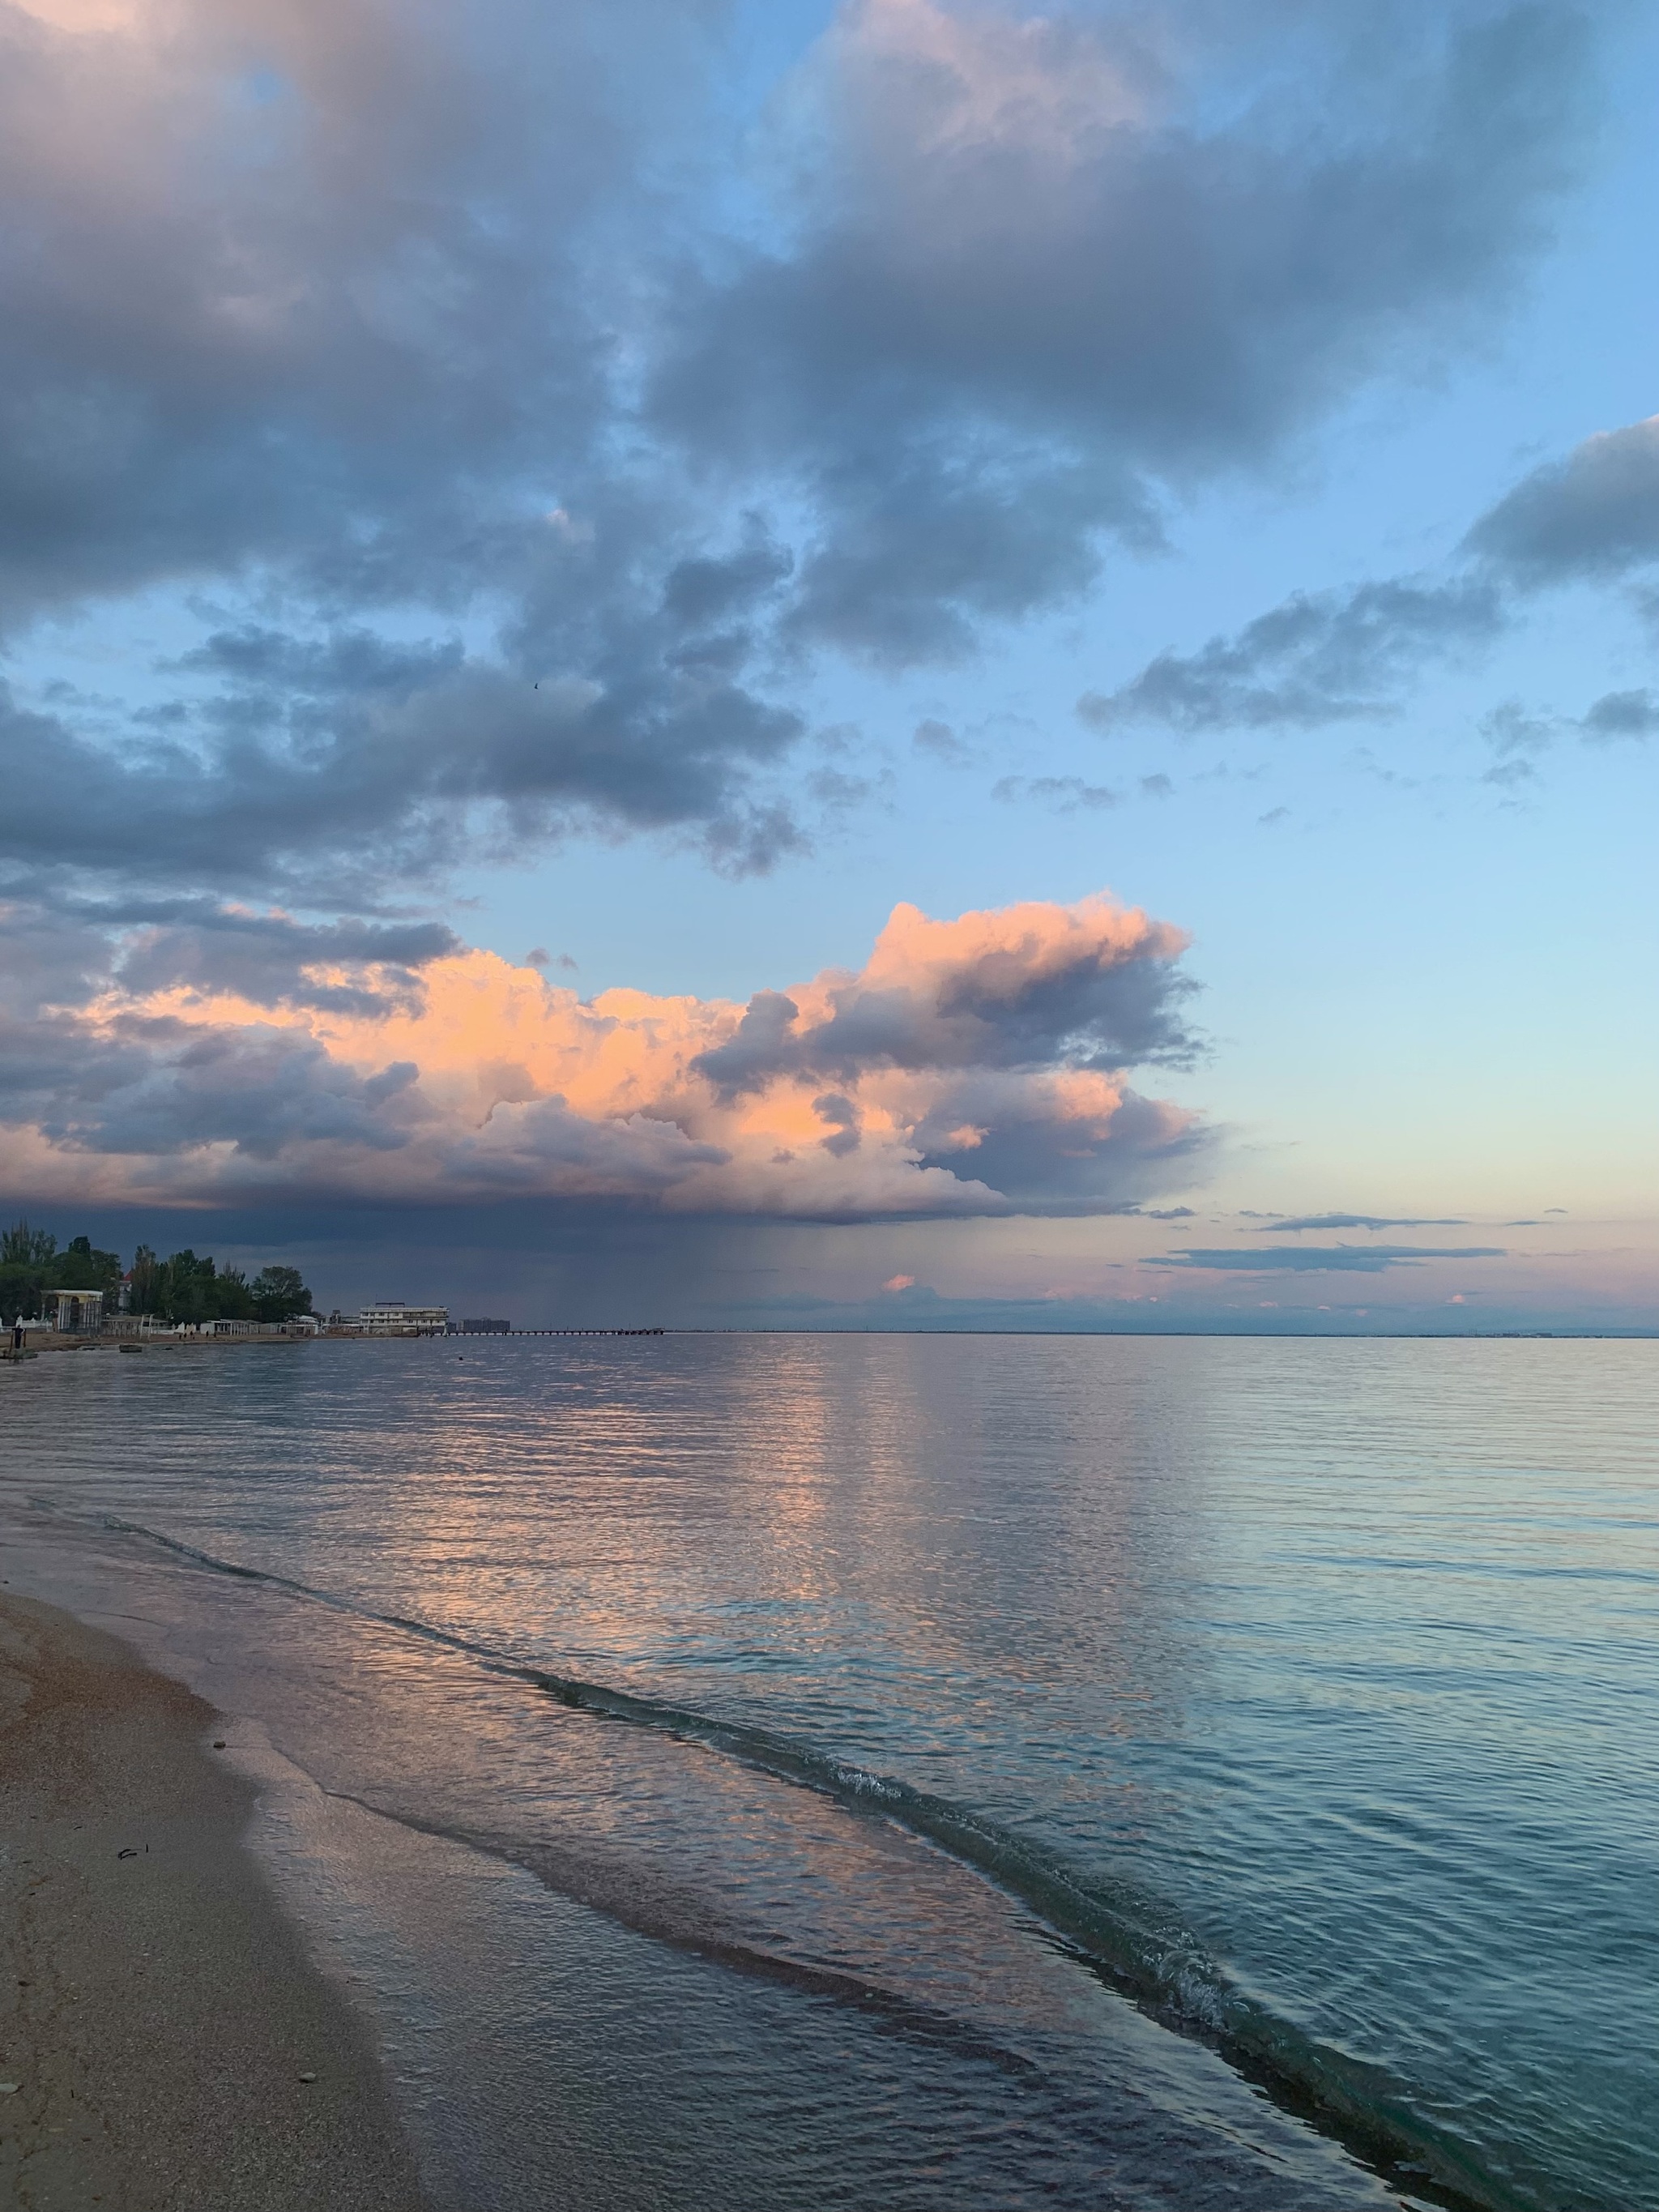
(181, 1288)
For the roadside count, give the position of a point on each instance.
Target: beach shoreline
(166, 2043)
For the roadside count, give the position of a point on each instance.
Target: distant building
(485, 1328)
(391, 1317)
(76, 1313)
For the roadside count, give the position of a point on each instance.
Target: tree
(80, 1268)
(23, 1246)
(279, 1294)
(183, 1288)
(26, 1259)
(189, 1288)
(31, 1265)
(146, 1276)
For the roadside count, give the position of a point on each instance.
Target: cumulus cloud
(1093, 986)
(973, 1066)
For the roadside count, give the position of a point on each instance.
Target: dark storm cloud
(1024, 1142)
(161, 1088)
(48, 959)
(1311, 1259)
(1328, 657)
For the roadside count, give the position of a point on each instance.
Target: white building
(76, 1313)
(391, 1317)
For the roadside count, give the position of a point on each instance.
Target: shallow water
(923, 1770)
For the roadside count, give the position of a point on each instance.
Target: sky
(900, 664)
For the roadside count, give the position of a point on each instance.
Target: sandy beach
(165, 2044)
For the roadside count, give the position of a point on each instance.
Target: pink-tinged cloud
(972, 1066)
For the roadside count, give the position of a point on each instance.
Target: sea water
(788, 1770)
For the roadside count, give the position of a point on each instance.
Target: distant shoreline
(42, 1341)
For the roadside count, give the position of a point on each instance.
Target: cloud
(1618, 715)
(299, 774)
(1041, 267)
(498, 450)
(1323, 658)
(1519, 737)
(1323, 1258)
(307, 315)
(1092, 986)
(1319, 658)
(940, 740)
(1061, 794)
(270, 960)
(1594, 514)
(972, 1066)
(1362, 1221)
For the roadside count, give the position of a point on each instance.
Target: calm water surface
(916, 1771)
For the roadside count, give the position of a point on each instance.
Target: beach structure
(393, 1317)
(76, 1313)
(483, 1327)
(296, 1325)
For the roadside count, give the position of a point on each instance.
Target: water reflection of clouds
(1330, 1642)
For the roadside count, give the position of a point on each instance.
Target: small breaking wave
(1129, 1939)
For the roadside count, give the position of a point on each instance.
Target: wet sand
(165, 2044)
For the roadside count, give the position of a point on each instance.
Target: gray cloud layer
(1359, 1221)
(1328, 657)
(448, 446)
(1031, 279)
(1323, 1258)
(505, 480)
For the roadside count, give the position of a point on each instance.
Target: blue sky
(688, 536)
